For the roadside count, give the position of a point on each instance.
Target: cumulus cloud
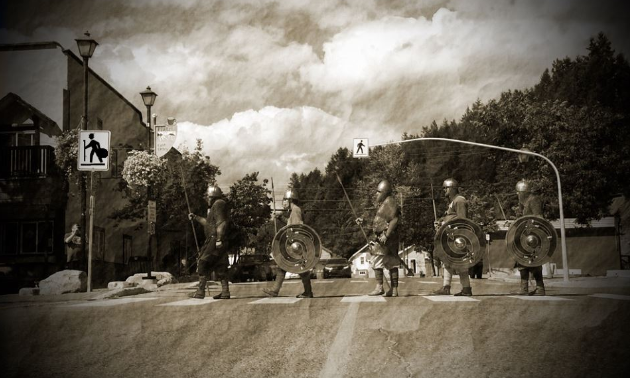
(278, 86)
(273, 141)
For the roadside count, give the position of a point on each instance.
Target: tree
(250, 209)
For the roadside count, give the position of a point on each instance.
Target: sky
(277, 87)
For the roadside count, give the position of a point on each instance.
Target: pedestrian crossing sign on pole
(360, 148)
(93, 154)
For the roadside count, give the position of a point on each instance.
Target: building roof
(17, 115)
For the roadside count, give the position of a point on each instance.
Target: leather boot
(308, 288)
(225, 290)
(466, 292)
(445, 290)
(392, 292)
(539, 291)
(201, 290)
(524, 288)
(275, 290)
(378, 290)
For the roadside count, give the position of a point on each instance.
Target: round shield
(531, 240)
(458, 243)
(296, 248)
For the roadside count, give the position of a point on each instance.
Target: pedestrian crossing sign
(360, 148)
(93, 154)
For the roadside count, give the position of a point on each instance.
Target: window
(98, 243)
(127, 243)
(362, 260)
(36, 237)
(9, 238)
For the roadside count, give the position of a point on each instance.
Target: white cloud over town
(278, 86)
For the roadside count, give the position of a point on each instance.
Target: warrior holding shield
(291, 203)
(457, 208)
(529, 204)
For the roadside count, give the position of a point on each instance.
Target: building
(41, 96)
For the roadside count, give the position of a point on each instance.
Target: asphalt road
(576, 331)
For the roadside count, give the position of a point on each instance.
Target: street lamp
(524, 157)
(148, 97)
(86, 49)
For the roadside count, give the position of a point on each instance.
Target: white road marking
(339, 352)
(324, 281)
(538, 298)
(430, 283)
(363, 298)
(447, 298)
(191, 302)
(276, 300)
(111, 302)
(612, 296)
(360, 281)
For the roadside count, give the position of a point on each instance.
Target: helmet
(292, 195)
(522, 186)
(384, 187)
(450, 183)
(214, 191)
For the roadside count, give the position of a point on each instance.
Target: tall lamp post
(148, 97)
(86, 49)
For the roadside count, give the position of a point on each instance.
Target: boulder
(162, 278)
(29, 291)
(65, 281)
(118, 285)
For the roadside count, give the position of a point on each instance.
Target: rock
(65, 281)
(29, 291)
(119, 285)
(163, 278)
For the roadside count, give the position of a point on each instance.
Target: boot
(225, 290)
(308, 288)
(273, 292)
(392, 292)
(539, 291)
(524, 288)
(201, 290)
(378, 290)
(466, 291)
(393, 287)
(445, 290)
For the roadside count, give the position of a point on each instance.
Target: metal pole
(82, 183)
(89, 281)
(563, 241)
(275, 222)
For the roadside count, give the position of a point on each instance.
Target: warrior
(291, 204)
(457, 208)
(529, 204)
(385, 231)
(213, 254)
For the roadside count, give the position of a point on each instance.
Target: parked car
(337, 271)
(252, 268)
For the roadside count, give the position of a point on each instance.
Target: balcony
(27, 162)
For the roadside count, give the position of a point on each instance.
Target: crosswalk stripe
(110, 302)
(276, 300)
(611, 296)
(363, 298)
(191, 302)
(446, 298)
(538, 298)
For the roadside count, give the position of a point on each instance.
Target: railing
(26, 161)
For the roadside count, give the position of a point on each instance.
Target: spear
(192, 223)
(275, 222)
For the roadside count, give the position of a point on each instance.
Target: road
(576, 331)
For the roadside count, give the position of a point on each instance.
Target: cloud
(273, 141)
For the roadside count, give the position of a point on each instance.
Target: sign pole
(89, 281)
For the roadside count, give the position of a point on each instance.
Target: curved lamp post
(524, 153)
